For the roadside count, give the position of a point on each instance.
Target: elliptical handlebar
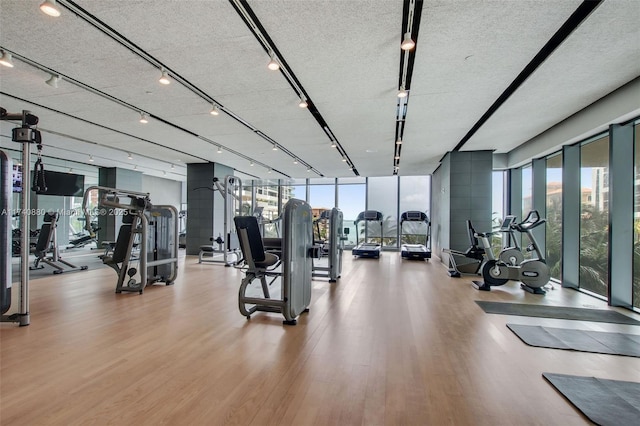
(532, 220)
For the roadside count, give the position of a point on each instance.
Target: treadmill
(415, 251)
(368, 249)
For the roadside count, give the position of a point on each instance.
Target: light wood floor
(392, 343)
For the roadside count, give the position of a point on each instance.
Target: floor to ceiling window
(527, 205)
(498, 202)
(351, 201)
(594, 216)
(382, 195)
(415, 195)
(636, 221)
(554, 215)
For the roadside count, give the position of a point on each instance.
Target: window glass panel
(382, 195)
(554, 216)
(351, 201)
(594, 216)
(267, 199)
(415, 194)
(321, 197)
(497, 208)
(636, 219)
(527, 191)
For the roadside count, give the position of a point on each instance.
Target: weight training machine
(292, 271)
(466, 262)
(331, 248)
(48, 243)
(154, 229)
(228, 246)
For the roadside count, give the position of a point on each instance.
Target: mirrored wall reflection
(636, 221)
(554, 215)
(594, 216)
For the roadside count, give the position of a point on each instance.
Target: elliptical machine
(533, 274)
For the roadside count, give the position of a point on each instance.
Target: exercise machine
(25, 134)
(466, 262)
(366, 249)
(48, 243)
(510, 255)
(153, 228)
(330, 239)
(292, 270)
(415, 251)
(533, 274)
(227, 250)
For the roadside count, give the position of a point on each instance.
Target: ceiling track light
(407, 42)
(214, 110)
(173, 167)
(5, 59)
(53, 81)
(399, 142)
(219, 150)
(308, 169)
(333, 144)
(403, 93)
(143, 118)
(344, 159)
(295, 161)
(275, 147)
(251, 164)
(50, 8)
(273, 65)
(269, 171)
(303, 102)
(397, 157)
(129, 156)
(91, 158)
(164, 79)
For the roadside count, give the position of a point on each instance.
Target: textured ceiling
(345, 55)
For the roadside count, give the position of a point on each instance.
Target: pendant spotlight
(5, 59)
(303, 102)
(143, 118)
(164, 79)
(407, 42)
(295, 161)
(275, 147)
(273, 65)
(402, 93)
(214, 110)
(50, 8)
(53, 81)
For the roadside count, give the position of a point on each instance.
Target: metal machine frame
(332, 248)
(228, 244)
(142, 214)
(295, 265)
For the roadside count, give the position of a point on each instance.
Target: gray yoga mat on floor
(578, 340)
(604, 402)
(559, 312)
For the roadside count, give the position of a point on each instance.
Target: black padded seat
(207, 249)
(270, 259)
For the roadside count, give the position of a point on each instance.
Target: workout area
(319, 213)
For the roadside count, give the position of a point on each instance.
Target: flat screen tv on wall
(63, 184)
